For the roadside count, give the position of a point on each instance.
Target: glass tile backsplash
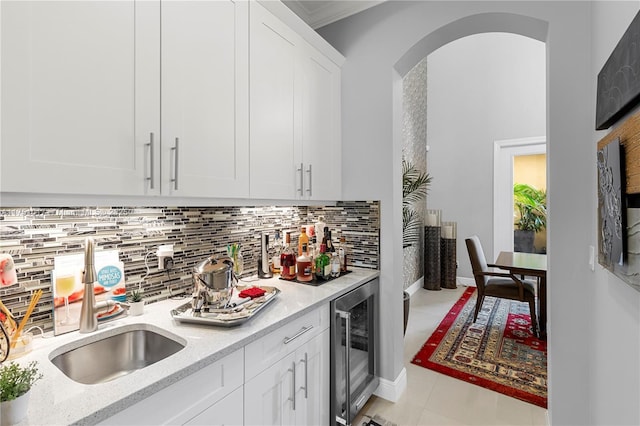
(34, 236)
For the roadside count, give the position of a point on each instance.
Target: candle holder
(448, 263)
(432, 261)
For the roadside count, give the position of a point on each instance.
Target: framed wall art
(618, 81)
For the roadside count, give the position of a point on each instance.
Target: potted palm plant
(415, 185)
(531, 207)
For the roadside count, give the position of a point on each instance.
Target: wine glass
(65, 284)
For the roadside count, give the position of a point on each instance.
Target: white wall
(374, 42)
(615, 335)
(481, 88)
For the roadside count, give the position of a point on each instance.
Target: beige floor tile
(432, 398)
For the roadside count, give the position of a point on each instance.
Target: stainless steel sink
(92, 361)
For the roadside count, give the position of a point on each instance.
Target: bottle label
(327, 270)
(335, 267)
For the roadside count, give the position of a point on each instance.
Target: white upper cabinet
(95, 95)
(205, 140)
(273, 62)
(294, 114)
(320, 128)
(79, 102)
(152, 98)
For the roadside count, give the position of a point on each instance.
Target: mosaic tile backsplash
(34, 236)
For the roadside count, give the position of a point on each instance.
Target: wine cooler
(354, 351)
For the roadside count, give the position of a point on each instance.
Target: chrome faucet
(90, 309)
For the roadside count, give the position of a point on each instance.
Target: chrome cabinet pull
(301, 170)
(174, 150)
(310, 181)
(151, 161)
(306, 376)
(293, 386)
(288, 340)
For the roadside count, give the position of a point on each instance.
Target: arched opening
(475, 24)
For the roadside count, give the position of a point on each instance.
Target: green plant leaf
(531, 205)
(15, 380)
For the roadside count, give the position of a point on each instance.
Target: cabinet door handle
(306, 376)
(174, 150)
(293, 386)
(303, 330)
(301, 170)
(310, 181)
(151, 161)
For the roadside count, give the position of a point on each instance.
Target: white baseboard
(469, 282)
(415, 286)
(392, 390)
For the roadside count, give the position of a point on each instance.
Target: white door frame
(503, 153)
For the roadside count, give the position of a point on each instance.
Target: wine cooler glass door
(354, 351)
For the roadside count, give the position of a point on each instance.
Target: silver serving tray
(226, 317)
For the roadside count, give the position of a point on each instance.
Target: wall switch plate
(592, 258)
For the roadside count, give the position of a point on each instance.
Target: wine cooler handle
(310, 181)
(151, 161)
(303, 330)
(293, 386)
(347, 363)
(175, 164)
(306, 376)
(301, 170)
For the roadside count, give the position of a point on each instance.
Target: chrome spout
(90, 309)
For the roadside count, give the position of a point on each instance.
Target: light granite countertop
(57, 400)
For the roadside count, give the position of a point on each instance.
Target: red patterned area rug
(498, 352)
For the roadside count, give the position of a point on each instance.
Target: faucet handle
(89, 272)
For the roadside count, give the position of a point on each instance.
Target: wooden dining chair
(499, 284)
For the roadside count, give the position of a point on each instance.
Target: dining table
(532, 265)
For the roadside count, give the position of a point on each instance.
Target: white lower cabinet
(200, 394)
(285, 375)
(293, 390)
(226, 412)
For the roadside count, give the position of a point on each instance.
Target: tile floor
(432, 398)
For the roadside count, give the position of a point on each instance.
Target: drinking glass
(65, 284)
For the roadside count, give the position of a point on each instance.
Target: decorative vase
(15, 410)
(136, 308)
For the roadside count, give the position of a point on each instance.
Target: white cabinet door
(273, 69)
(187, 399)
(226, 412)
(312, 381)
(294, 114)
(205, 141)
(321, 140)
(269, 396)
(78, 100)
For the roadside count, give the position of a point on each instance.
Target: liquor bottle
(342, 255)
(277, 247)
(327, 240)
(303, 267)
(323, 264)
(335, 265)
(303, 241)
(288, 260)
(313, 252)
(319, 228)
